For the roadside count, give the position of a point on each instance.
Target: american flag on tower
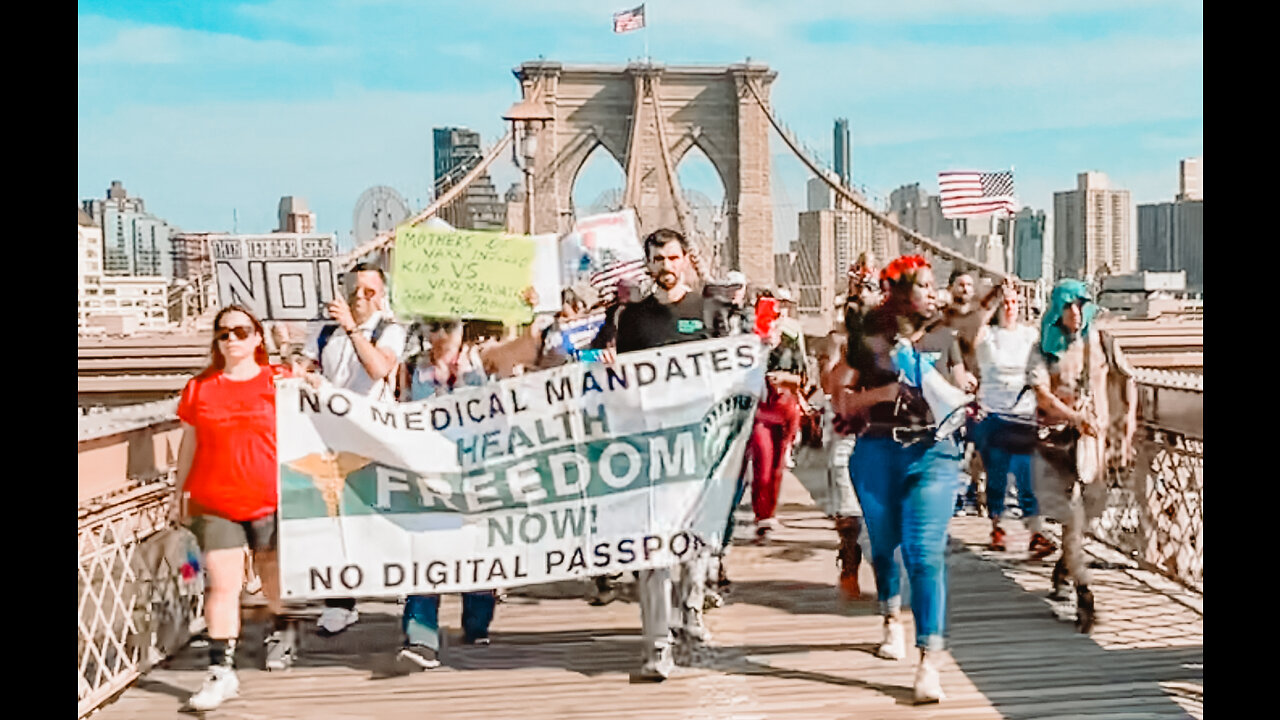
(971, 194)
(628, 20)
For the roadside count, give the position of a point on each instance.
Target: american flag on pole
(605, 282)
(971, 194)
(628, 20)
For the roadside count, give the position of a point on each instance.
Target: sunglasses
(366, 293)
(240, 331)
(442, 325)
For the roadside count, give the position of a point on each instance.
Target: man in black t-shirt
(674, 313)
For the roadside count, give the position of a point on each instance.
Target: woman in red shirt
(227, 468)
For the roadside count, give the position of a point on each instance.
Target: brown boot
(849, 556)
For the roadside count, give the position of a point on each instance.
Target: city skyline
(207, 110)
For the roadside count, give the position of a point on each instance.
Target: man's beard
(666, 280)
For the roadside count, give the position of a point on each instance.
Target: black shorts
(218, 533)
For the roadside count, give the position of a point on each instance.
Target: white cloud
(132, 44)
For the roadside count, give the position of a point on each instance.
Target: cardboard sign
(469, 274)
(281, 276)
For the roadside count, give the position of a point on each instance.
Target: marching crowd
(910, 398)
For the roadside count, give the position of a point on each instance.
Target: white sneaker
(222, 684)
(335, 619)
(928, 685)
(894, 646)
(791, 459)
(658, 665)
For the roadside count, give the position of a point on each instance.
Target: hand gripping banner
(568, 473)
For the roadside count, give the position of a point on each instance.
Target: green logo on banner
(687, 326)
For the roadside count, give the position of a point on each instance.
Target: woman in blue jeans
(904, 474)
(442, 366)
(1006, 436)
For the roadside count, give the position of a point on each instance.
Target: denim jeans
(999, 462)
(907, 495)
(421, 619)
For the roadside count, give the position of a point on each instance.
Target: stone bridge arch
(648, 116)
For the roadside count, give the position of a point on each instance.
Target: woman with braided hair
(903, 467)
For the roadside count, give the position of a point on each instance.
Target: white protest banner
(572, 472)
(597, 242)
(280, 276)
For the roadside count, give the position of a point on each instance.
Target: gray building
(457, 150)
(1028, 243)
(135, 241)
(1171, 238)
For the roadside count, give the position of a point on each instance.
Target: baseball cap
(735, 278)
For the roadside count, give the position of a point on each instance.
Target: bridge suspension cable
(381, 241)
(828, 176)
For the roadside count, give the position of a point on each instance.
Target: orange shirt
(233, 474)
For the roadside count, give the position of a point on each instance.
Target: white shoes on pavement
(894, 646)
(658, 665)
(928, 686)
(221, 685)
(335, 619)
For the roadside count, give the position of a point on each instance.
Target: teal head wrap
(1053, 337)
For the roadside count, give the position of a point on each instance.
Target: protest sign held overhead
(461, 273)
(598, 243)
(577, 471)
(281, 276)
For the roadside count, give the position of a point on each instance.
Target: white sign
(281, 276)
(572, 472)
(597, 242)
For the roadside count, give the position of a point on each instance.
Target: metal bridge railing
(1154, 510)
(139, 585)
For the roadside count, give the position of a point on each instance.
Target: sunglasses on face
(240, 331)
(441, 326)
(366, 293)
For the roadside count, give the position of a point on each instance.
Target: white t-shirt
(341, 363)
(1003, 355)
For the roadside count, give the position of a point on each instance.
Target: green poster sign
(471, 274)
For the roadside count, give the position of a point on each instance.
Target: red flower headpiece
(903, 267)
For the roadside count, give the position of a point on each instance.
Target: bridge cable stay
(381, 241)
(682, 209)
(928, 245)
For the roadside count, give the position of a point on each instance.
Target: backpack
(327, 331)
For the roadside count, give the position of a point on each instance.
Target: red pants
(776, 424)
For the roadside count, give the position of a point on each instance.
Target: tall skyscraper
(1091, 229)
(135, 242)
(294, 216)
(1028, 243)
(1191, 179)
(843, 151)
(481, 208)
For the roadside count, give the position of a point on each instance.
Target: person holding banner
(227, 470)
(906, 460)
(443, 366)
(359, 352)
(673, 313)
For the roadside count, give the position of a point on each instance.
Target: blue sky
(205, 108)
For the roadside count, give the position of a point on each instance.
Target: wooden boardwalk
(785, 648)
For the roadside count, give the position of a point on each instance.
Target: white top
(341, 364)
(1003, 355)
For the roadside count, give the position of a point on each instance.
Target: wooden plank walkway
(785, 648)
